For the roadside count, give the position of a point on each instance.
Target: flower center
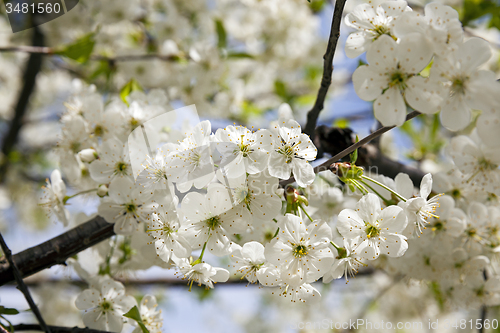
(75, 146)
(458, 85)
(299, 251)
(213, 222)
(287, 151)
(130, 208)
(398, 79)
(134, 123)
(121, 168)
(372, 231)
(105, 306)
(98, 130)
(380, 30)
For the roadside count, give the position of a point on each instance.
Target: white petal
(390, 108)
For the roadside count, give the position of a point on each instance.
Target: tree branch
(41, 50)
(324, 166)
(56, 329)
(326, 80)
(22, 287)
(56, 250)
(334, 140)
(29, 78)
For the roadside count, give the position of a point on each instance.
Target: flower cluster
(204, 193)
(422, 62)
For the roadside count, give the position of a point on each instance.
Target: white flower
(150, 315)
(87, 155)
(103, 122)
(243, 151)
(301, 251)
(290, 152)
(392, 77)
(74, 135)
(248, 259)
(477, 162)
(201, 273)
(190, 162)
(257, 194)
(153, 173)
(346, 264)
(303, 293)
(113, 162)
(440, 26)
(372, 230)
(477, 291)
(451, 221)
(105, 303)
(371, 22)
(419, 209)
(54, 197)
(212, 219)
(466, 87)
(127, 206)
(165, 229)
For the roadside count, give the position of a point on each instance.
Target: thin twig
(56, 329)
(324, 166)
(22, 286)
(326, 80)
(29, 79)
(42, 50)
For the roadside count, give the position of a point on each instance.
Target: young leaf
(354, 154)
(135, 315)
(127, 89)
(8, 311)
(221, 34)
(80, 50)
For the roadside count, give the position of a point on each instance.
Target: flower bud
(88, 155)
(102, 191)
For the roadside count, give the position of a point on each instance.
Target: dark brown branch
(55, 329)
(29, 79)
(334, 140)
(40, 50)
(326, 80)
(22, 286)
(324, 166)
(56, 250)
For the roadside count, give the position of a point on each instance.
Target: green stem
(66, 198)
(300, 205)
(359, 186)
(335, 246)
(203, 250)
(385, 187)
(387, 202)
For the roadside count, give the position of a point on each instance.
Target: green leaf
(475, 9)
(127, 89)
(136, 315)
(354, 154)
(239, 55)
(280, 89)
(8, 311)
(341, 123)
(80, 50)
(317, 6)
(221, 34)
